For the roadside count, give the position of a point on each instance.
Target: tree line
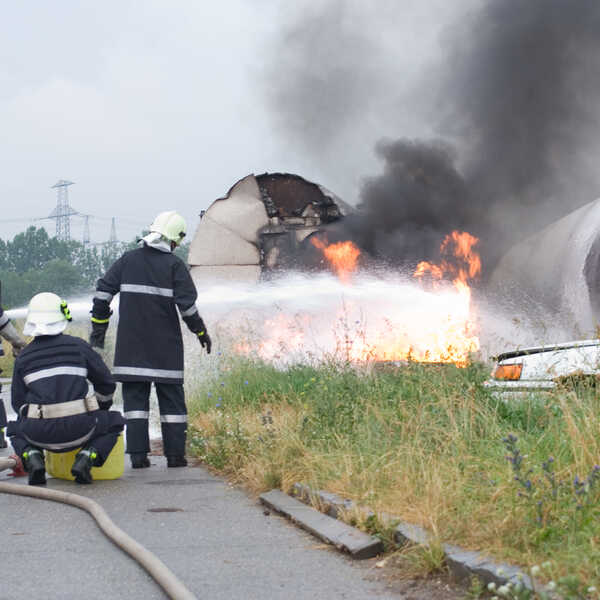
(34, 262)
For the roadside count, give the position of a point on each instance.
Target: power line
(63, 212)
(133, 221)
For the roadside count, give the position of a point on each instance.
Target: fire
(379, 319)
(282, 336)
(342, 256)
(465, 264)
(460, 263)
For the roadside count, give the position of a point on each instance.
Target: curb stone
(462, 563)
(359, 544)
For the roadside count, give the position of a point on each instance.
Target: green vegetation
(34, 262)
(426, 443)
(6, 361)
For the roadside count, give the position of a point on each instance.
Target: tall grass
(423, 442)
(7, 361)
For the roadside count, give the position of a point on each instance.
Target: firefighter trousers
(173, 416)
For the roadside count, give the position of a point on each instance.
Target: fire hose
(165, 578)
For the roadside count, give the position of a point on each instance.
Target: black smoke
(419, 195)
(517, 99)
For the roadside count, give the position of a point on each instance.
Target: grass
(7, 361)
(423, 442)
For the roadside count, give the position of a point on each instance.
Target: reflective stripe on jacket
(52, 370)
(153, 285)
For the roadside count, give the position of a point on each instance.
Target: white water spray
(300, 317)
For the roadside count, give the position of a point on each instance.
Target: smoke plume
(516, 99)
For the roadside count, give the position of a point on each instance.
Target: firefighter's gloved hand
(104, 402)
(205, 340)
(98, 334)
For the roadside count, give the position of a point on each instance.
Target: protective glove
(104, 402)
(205, 340)
(98, 334)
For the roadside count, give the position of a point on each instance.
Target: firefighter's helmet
(47, 314)
(170, 225)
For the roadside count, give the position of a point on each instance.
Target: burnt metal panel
(260, 227)
(285, 195)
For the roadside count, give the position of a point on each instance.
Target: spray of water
(302, 318)
(80, 308)
(311, 318)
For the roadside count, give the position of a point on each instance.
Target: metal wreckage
(261, 226)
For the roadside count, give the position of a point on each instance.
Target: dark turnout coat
(152, 285)
(56, 369)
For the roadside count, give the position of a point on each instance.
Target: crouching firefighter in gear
(154, 283)
(49, 393)
(10, 334)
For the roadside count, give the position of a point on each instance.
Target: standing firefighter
(153, 282)
(9, 333)
(49, 393)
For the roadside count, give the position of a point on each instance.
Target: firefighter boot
(176, 461)
(139, 460)
(33, 460)
(82, 466)
(3, 443)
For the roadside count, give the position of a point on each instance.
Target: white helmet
(47, 314)
(170, 225)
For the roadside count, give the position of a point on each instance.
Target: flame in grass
(432, 321)
(461, 264)
(282, 336)
(342, 256)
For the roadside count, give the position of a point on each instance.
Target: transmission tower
(113, 233)
(63, 211)
(86, 230)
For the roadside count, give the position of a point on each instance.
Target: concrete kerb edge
(358, 544)
(461, 563)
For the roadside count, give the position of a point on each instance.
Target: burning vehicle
(261, 226)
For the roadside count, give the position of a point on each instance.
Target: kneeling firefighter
(9, 333)
(153, 284)
(49, 394)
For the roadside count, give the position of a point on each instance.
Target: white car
(522, 372)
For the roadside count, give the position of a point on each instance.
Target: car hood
(550, 348)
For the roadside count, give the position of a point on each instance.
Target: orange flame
(342, 256)
(466, 264)
(438, 326)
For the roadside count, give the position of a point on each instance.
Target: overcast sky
(159, 105)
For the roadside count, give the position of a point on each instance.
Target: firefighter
(153, 283)
(49, 393)
(9, 333)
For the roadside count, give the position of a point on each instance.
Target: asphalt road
(213, 536)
